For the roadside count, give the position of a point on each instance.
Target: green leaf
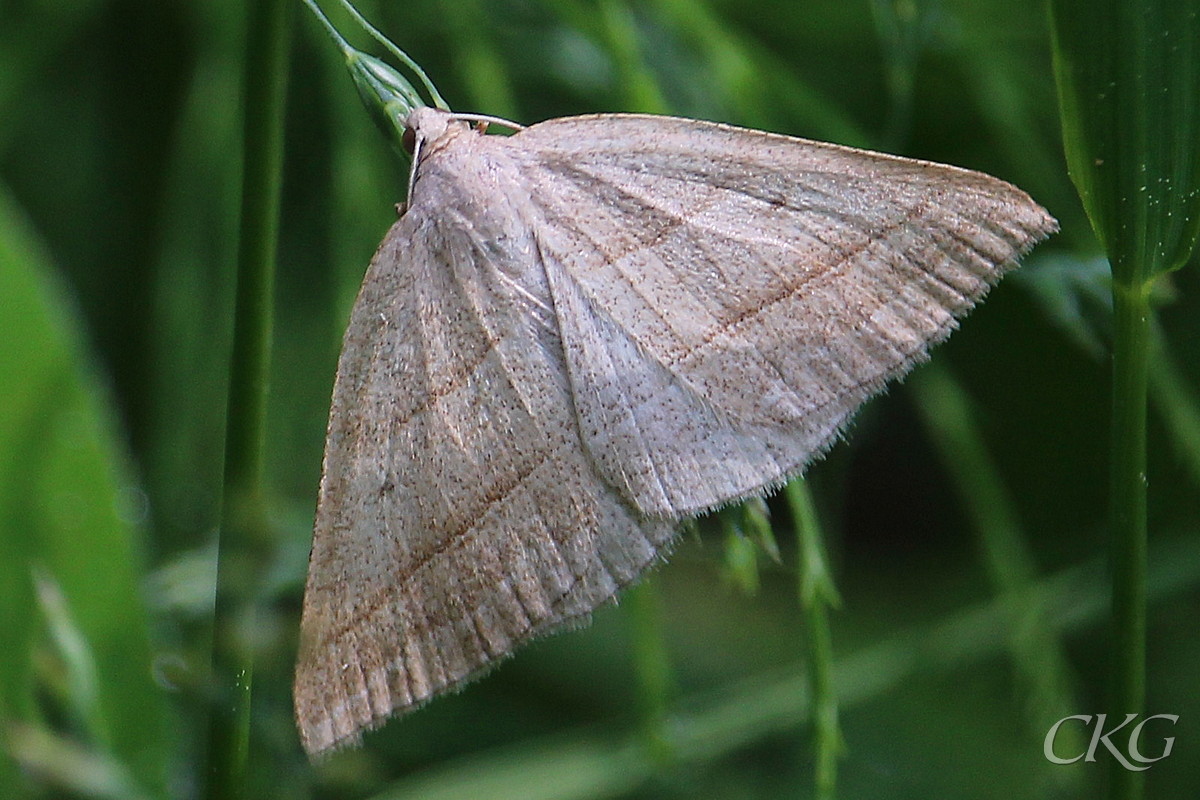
(68, 511)
(1129, 83)
(1129, 89)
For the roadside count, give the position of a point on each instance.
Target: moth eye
(409, 140)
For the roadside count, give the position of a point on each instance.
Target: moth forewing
(578, 336)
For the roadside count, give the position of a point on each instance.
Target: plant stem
(1128, 552)
(653, 667)
(243, 519)
(817, 595)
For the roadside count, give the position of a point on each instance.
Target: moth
(583, 333)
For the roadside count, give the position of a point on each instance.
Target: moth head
(423, 125)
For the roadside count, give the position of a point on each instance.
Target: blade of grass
(70, 512)
(190, 312)
(244, 531)
(1128, 75)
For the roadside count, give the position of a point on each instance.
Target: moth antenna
(487, 119)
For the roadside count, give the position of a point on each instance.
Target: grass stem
(817, 595)
(1131, 349)
(652, 665)
(243, 518)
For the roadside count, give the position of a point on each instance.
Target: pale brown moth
(579, 335)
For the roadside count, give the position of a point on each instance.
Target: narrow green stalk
(1128, 78)
(817, 595)
(652, 667)
(1131, 349)
(243, 518)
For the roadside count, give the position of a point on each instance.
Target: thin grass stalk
(244, 532)
(652, 668)
(1128, 78)
(817, 596)
(1131, 349)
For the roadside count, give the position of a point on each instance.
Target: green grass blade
(68, 511)
(1129, 87)
(244, 529)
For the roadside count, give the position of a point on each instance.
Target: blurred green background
(965, 515)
